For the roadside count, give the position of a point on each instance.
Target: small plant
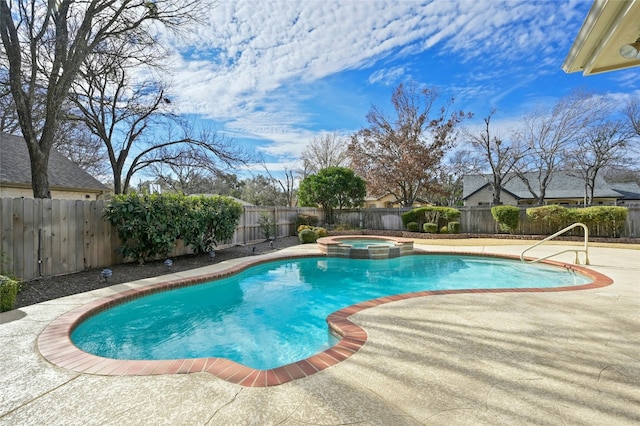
(267, 226)
(413, 227)
(303, 227)
(444, 230)
(8, 291)
(507, 217)
(430, 228)
(307, 236)
(320, 232)
(454, 227)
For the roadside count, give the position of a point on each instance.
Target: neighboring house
(389, 201)
(66, 180)
(564, 189)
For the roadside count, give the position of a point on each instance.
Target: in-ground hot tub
(365, 246)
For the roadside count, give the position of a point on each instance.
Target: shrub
(430, 228)
(150, 224)
(267, 226)
(320, 232)
(209, 221)
(444, 230)
(553, 217)
(413, 227)
(453, 227)
(609, 219)
(307, 236)
(435, 215)
(507, 217)
(8, 292)
(303, 227)
(305, 219)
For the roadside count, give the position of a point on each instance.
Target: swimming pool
(275, 313)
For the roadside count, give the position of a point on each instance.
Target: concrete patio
(559, 358)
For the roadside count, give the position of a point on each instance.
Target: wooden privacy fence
(43, 237)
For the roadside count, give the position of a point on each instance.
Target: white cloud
(250, 66)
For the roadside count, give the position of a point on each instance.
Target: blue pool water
(275, 313)
(364, 243)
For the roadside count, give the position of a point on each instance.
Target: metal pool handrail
(562, 231)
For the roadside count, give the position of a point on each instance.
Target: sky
(273, 75)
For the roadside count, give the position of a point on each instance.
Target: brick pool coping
(55, 344)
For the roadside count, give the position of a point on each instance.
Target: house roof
(609, 25)
(562, 185)
(15, 168)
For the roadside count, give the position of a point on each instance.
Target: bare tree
(327, 150)
(632, 113)
(8, 114)
(603, 146)
(133, 121)
(402, 155)
(287, 186)
(44, 44)
(182, 174)
(500, 155)
(548, 136)
(263, 191)
(76, 142)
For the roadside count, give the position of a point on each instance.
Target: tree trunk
(39, 174)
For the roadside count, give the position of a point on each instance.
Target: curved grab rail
(562, 231)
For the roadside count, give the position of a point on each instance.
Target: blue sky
(274, 74)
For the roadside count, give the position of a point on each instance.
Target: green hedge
(8, 291)
(430, 228)
(307, 236)
(601, 220)
(507, 217)
(150, 224)
(438, 215)
(453, 227)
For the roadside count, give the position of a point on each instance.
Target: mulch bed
(49, 288)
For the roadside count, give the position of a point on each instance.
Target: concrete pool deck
(495, 358)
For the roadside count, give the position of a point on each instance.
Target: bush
(453, 227)
(507, 217)
(320, 232)
(305, 219)
(435, 215)
(301, 228)
(150, 224)
(413, 227)
(8, 292)
(307, 236)
(609, 219)
(553, 217)
(444, 230)
(430, 228)
(209, 221)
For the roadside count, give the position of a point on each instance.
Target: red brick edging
(55, 344)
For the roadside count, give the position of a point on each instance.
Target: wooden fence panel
(6, 236)
(71, 235)
(58, 253)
